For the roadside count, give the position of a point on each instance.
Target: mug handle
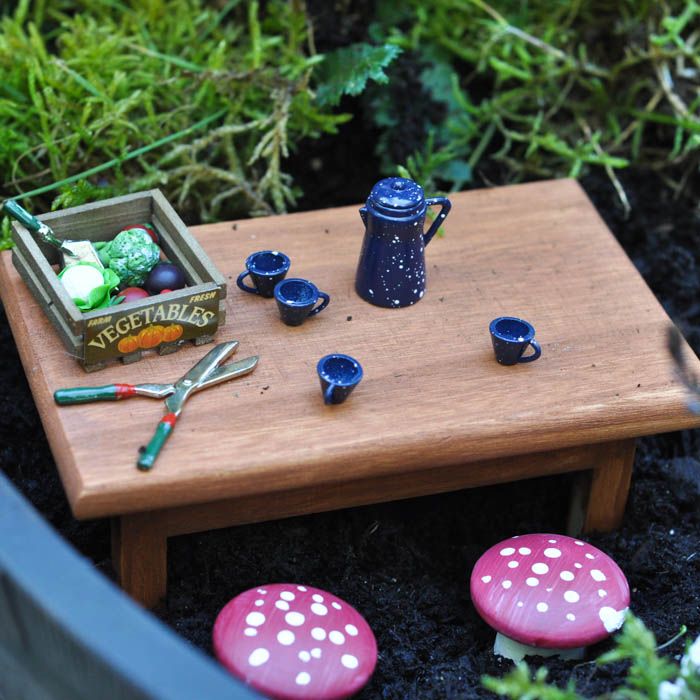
(322, 305)
(446, 206)
(328, 394)
(538, 351)
(244, 287)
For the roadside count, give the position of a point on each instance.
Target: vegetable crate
(123, 331)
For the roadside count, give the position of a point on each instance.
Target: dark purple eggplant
(164, 275)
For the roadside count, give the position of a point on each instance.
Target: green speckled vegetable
(132, 255)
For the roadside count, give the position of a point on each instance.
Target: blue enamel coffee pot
(391, 269)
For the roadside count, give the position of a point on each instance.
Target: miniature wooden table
(435, 412)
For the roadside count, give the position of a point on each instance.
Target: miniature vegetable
(164, 275)
(88, 285)
(133, 294)
(144, 227)
(132, 255)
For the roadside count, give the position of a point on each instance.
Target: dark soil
(405, 565)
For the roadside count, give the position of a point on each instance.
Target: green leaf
(347, 70)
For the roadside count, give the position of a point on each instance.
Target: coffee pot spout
(363, 214)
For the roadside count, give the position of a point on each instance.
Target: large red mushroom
(548, 594)
(294, 642)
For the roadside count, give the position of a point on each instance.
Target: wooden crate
(163, 322)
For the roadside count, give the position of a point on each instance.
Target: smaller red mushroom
(294, 642)
(548, 594)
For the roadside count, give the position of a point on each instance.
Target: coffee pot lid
(397, 196)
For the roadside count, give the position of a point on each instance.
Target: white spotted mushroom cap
(292, 642)
(550, 591)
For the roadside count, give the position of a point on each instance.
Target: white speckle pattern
(336, 637)
(280, 644)
(301, 588)
(349, 661)
(319, 609)
(286, 637)
(555, 596)
(258, 657)
(255, 619)
(262, 591)
(295, 619)
(303, 678)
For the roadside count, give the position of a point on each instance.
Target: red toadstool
(548, 594)
(292, 642)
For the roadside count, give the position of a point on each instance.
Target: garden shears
(204, 374)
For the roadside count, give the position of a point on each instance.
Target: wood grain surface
(432, 396)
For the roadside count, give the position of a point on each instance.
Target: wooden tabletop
(432, 393)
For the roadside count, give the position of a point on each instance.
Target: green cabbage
(132, 255)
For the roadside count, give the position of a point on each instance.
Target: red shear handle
(165, 427)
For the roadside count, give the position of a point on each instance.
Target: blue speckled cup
(266, 268)
(511, 337)
(339, 375)
(296, 299)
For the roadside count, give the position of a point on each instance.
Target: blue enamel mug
(266, 268)
(339, 375)
(511, 337)
(391, 268)
(296, 300)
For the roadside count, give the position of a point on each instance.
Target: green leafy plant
(549, 89)
(123, 96)
(649, 676)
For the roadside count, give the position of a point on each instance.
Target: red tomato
(132, 294)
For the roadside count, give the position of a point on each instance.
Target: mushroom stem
(516, 651)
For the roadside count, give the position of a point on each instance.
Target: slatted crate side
(100, 221)
(67, 633)
(72, 341)
(199, 263)
(44, 274)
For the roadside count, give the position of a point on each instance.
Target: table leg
(600, 494)
(139, 556)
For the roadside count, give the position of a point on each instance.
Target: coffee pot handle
(444, 211)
